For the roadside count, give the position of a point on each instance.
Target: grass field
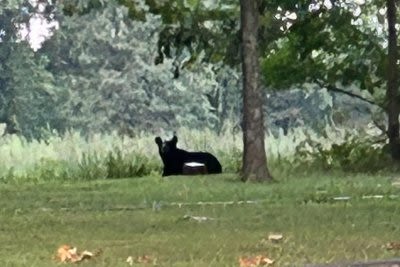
(142, 216)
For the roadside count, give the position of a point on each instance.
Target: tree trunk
(392, 95)
(254, 156)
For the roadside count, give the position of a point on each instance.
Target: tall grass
(72, 156)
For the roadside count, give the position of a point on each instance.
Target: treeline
(96, 73)
(132, 65)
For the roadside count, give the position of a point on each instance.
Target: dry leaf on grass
(67, 253)
(393, 246)
(144, 259)
(271, 238)
(259, 260)
(275, 237)
(197, 218)
(129, 260)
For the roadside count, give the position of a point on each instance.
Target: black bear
(174, 158)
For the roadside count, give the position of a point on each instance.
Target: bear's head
(167, 146)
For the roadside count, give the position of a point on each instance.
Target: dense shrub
(354, 154)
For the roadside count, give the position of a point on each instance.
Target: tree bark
(392, 94)
(254, 156)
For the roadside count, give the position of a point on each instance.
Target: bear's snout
(164, 148)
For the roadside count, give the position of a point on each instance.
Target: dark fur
(174, 158)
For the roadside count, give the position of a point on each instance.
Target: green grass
(132, 217)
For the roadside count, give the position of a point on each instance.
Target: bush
(133, 165)
(354, 154)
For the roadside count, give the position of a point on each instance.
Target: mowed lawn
(151, 216)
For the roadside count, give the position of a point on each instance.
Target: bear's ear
(158, 140)
(174, 139)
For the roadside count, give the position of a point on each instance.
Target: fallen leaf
(129, 260)
(275, 237)
(144, 259)
(197, 218)
(393, 246)
(67, 253)
(271, 238)
(259, 260)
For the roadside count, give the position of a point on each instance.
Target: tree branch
(342, 91)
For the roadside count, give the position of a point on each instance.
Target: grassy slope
(131, 217)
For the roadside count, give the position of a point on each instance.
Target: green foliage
(80, 7)
(113, 84)
(72, 157)
(97, 74)
(27, 87)
(30, 90)
(341, 46)
(90, 167)
(196, 26)
(210, 27)
(353, 155)
(326, 46)
(133, 165)
(231, 160)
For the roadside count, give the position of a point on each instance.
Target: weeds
(73, 157)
